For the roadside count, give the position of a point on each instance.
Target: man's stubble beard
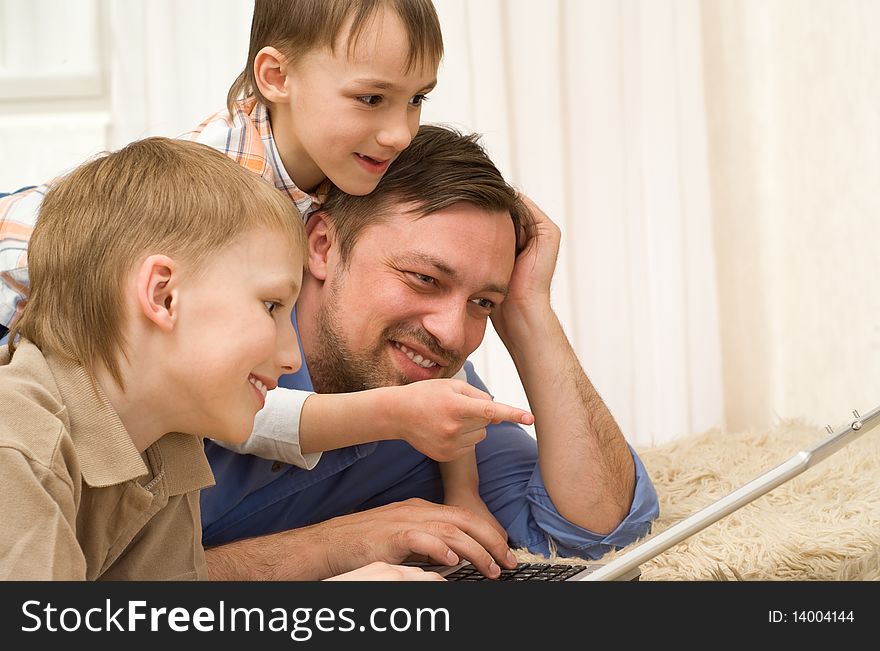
(335, 368)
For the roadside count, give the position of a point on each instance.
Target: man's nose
(448, 326)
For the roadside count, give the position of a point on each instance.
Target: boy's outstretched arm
(443, 419)
(440, 418)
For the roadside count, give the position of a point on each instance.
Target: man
(399, 287)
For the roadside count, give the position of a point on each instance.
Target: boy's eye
(270, 306)
(370, 100)
(418, 100)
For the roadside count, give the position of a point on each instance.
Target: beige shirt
(77, 500)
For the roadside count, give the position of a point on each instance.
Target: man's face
(413, 300)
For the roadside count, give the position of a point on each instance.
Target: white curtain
(172, 63)
(793, 97)
(53, 112)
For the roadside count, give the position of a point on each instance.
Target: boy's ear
(270, 73)
(157, 291)
(320, 239)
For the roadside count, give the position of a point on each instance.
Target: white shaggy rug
(822, 525)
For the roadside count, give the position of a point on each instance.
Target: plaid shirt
(18, 213)
(245, 136)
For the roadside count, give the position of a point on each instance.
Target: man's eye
(370, 100)
(423, 279)
(485, 303)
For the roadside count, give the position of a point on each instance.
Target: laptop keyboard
(522, 572)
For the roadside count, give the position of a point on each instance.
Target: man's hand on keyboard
(413, 530)
(416, 530)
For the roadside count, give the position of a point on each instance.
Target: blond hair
(156, 195)
(295, 27)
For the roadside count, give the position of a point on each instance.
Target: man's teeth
(258, 384)
(418, 359)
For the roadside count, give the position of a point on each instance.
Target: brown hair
(295, 27)
(440, 168)
(155, 195)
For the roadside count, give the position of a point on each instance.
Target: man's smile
(424, 362)
(415, 365)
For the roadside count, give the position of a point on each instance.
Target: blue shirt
(255, 496)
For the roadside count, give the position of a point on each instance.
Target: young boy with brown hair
(120, 362)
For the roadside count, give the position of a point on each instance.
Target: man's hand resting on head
(528, 294)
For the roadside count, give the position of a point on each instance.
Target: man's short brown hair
(440, 168)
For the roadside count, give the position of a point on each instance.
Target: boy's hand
(444, 419)
(380, 571)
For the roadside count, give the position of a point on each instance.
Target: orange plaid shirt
(18, 214)
(245, 136)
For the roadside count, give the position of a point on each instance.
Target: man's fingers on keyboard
(467, 548)
(435, 529)
(485, 536)
(424, 545)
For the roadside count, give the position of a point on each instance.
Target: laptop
(626, 566)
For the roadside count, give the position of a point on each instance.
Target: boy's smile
(262, 385)
(373, 166)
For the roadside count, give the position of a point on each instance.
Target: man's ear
(157, 291)
(320, 238)
(270, 73)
